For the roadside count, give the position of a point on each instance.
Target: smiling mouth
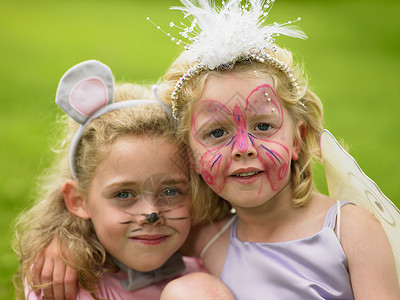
(150, 239)
(247, 174)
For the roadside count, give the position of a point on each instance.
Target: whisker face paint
(154, 217)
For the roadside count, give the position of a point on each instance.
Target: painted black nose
(152, 218)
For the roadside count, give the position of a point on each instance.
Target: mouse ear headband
(85, 92)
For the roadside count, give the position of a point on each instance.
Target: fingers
(58, 279)
(47, 277)
(62, 279)
(49, 268)
(70, 283)
(37, 270)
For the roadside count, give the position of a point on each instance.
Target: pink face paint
(272, 154)
(275, 164)
(208, 111)
(242, 140)
(211, 170)
(262, 106)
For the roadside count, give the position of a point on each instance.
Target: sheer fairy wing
(347, 182)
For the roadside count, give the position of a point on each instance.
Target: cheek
(179, 218)
(106, 222)
(109, 234)
(213, 167)
(275, 158)
(183, 227)
(210, 163)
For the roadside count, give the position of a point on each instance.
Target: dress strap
(219, 233)
(333, 217)
(338, 218)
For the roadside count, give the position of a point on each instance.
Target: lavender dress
(310, 268)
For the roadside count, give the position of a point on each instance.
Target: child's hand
(50, 268)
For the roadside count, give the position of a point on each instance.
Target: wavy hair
(48, 218)
(208, 205)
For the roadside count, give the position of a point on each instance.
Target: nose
(247, 151)
(153, 218)
(148, 212)
(243, 145)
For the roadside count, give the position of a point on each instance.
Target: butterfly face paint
(242, 143)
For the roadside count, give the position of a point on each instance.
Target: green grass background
(352, 57)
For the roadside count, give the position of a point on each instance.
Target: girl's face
(242, 139)
(140, 176)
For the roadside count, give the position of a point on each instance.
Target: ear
(300, 130)
(73, 199)
(84, 89)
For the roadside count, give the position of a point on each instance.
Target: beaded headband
(85, 92)
(234, 32)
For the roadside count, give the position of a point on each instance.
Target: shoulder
(362, 234)
(359, 225)
(370, 258)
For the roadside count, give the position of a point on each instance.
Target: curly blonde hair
(49, 217)
(311, 114)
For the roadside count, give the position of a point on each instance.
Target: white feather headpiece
(221, 36)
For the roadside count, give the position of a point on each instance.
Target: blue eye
(170, 193)
(217, 133)
(124, 195)
(263, 127)
(169, 196)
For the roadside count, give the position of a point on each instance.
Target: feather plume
(221, 35)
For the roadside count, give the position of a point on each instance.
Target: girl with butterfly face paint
(252, 145)
(120, 210)
(253, 133)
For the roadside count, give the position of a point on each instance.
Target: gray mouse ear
(84, 89)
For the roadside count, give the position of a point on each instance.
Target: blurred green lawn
(352, 57)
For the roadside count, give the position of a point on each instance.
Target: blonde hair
(49, 217)
(311, 114)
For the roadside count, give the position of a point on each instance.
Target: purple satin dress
(310, 268)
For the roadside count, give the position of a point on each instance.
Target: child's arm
(371, 262)
(50, 267)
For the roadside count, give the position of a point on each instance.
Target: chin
(152, 264)
(251, 201)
